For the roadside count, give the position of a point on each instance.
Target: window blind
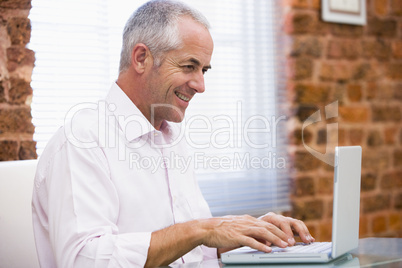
(233, 128)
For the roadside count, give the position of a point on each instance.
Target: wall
(16, 65)
(361, 68)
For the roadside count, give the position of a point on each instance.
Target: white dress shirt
(106, 181)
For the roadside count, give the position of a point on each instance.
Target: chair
(17, 246)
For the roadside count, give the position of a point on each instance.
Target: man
(93, 207)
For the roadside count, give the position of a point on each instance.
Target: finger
(283, 223)
(267, 216)
(269, 233)
(285, 226)
(277, 236)
(252, 243)
(264, 242)
(301, 229)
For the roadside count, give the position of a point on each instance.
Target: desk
(379, 252)
(372, 252)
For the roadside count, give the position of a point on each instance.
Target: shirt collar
(130, 119)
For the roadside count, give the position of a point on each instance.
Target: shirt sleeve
(82, 208)
(205, 212)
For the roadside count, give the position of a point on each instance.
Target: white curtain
(232, 127)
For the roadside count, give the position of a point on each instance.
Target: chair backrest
(17, 246)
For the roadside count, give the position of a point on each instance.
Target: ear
(141, 57)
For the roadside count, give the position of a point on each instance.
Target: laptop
(345, 221)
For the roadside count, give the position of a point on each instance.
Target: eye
(204, 70)
(189, 67)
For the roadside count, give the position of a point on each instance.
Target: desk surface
(372, 252)
(379, 252)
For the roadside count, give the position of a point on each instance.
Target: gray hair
(155, 24)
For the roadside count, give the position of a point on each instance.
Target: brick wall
(361, 68)
(16, 65)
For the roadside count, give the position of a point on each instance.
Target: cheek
(179, 80)
(171, 83)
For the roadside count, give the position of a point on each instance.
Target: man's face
(171, 86)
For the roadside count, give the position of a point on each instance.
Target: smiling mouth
(182, 97)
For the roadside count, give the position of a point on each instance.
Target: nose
(197, 82)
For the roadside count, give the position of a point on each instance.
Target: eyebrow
(198, 63)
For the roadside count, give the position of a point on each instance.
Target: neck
(131, 86)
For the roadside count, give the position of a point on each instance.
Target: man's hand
(234, 231)
(224, 233)
(290, 227)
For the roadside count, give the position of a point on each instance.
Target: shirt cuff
(123, 250)
(209, 253)
(131, 250)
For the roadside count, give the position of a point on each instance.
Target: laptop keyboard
(316, 247)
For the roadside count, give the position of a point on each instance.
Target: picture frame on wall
(344, 11)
